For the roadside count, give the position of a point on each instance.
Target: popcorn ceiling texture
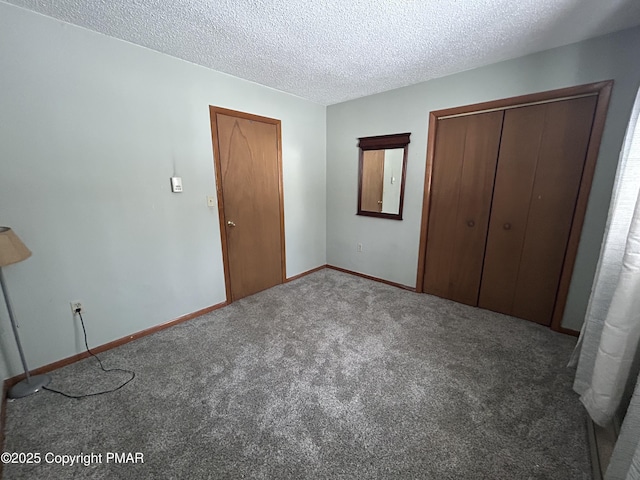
(331, 51)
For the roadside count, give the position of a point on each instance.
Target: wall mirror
(381, 175)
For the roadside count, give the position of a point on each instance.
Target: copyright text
(85, 459)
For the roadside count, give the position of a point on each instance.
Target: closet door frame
(603, 92)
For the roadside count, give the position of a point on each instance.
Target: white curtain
(607, 355)
(625, 460)
(619, 338)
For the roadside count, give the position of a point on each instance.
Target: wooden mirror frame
(383, 142)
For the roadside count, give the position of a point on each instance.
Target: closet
(504, 202)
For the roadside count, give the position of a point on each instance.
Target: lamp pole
(14, 325)
(12, 250)
(31, 384)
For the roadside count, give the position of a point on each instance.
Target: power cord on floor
(86, 344)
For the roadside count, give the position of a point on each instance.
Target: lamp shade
(12, 250)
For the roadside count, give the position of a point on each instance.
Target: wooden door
(249, 178)
(372, 180)
(464, 166)
(540, 165)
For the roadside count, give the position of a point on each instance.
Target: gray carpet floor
(328, 377)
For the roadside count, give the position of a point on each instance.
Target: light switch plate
(211, 201)
(176, 184)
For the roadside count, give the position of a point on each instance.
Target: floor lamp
(12, 250)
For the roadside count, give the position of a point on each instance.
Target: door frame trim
(603, 91)
(213, 111)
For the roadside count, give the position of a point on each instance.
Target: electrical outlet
(359, 248)
(75, 306)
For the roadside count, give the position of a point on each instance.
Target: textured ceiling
(329, 51)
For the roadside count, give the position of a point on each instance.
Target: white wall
(91, 129)
(390, 248)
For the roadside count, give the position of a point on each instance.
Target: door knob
(379, 202)
(507, 226)
(471, 223)
(231, 224)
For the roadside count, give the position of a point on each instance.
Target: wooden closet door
(540, 166)
(372, 180)
(464, 167)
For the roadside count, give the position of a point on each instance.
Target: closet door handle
(471, 223)
(507, 226)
